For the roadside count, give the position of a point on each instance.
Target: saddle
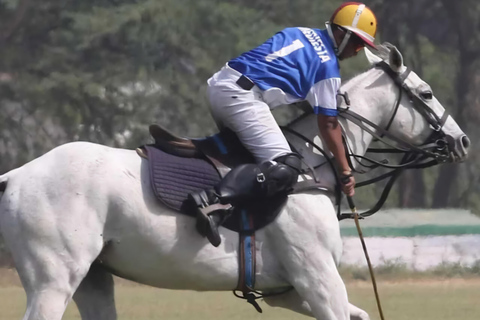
(179, 166)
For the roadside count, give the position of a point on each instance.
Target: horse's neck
(369, 99)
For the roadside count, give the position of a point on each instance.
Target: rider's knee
(281, 174)
(250, 181)
(293, 160)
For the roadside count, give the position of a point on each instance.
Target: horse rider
(296, 64)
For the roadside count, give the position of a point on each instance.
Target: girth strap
(247, 260)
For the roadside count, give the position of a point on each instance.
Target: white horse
(82, 212)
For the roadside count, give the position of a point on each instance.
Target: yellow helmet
(358, 19)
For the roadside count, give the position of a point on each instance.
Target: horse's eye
(427, 95)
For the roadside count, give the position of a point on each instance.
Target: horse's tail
(4, 178)
(3, 183)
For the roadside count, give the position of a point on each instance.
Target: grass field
(407, 299)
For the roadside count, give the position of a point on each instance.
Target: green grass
(415, 298)
(145, 303)
(432, 299)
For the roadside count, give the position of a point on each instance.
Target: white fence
(419, 239)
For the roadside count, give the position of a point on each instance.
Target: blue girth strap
(247, 252)
(246, 260)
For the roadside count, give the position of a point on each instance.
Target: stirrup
(210, 218)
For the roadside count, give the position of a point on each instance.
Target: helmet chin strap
(343, 44)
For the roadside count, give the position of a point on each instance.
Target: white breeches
(245, 113)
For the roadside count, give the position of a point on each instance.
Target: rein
(338, 192)
(415, 157)
(405, 146)
(437, 140)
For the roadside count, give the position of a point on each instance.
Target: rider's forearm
(332, 134)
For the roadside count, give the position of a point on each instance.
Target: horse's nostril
(465, 142)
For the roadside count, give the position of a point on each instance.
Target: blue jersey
(295, 64)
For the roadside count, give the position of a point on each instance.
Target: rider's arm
(323, 98)
(331, 132)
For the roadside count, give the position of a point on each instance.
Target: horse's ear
(386, 52)
(371, 57)
(395, 59)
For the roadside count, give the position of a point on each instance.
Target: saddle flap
(173, 178)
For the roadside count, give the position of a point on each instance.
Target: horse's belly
(168, 253)
(165, 251)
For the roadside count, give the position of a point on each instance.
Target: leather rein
(434, 151)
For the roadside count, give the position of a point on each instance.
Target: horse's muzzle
(458, 148)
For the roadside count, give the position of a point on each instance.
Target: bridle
(436, 146)
(435, 150)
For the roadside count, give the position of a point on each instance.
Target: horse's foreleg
(357, 313)
(95, 297)
(312, 271)
(320, 285)
(308, 244)
(292, 301)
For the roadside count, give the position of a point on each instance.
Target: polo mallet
(353, 208)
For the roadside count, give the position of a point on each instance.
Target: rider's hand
(348, 183)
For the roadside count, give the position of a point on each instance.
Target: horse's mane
(306, 112)
(383, 50)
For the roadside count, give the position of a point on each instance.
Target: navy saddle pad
(173, 178)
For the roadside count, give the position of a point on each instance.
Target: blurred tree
(103, 70)
(437, 41)
(464, 22)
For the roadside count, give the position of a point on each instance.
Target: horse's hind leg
(52, 252)
(49, 282)
(49, 279)
(95, 295)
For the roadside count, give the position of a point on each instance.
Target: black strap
(435, 121)
(380, 202)
(338, 190)
(405, 146)
(245, 83)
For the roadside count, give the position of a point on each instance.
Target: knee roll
(281, 175)
(252, 181)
